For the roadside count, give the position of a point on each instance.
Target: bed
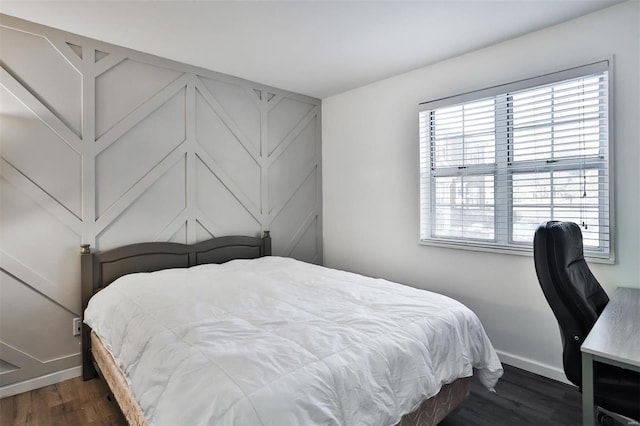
(221, 332)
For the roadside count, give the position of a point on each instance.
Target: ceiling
(318, 48)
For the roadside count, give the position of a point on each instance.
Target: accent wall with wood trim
(107, 146)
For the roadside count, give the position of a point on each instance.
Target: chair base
(608, 418)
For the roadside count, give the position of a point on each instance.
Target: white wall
(370, 180)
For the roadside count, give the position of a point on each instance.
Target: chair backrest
(574, 295)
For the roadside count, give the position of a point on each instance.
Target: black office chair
(577, 299)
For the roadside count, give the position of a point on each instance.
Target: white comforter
(274, 341)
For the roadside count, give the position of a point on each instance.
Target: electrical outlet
(77, 326)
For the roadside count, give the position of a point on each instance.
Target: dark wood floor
(521, 398)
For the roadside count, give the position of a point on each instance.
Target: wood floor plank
(8, 411)
(521, 398)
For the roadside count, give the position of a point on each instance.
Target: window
(496, 163)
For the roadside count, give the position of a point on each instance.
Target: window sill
(513, 250)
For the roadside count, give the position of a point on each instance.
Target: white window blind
(496, 163)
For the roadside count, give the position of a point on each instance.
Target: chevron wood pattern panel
(108, 146)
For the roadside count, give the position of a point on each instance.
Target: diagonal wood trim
(27, 384)
(297, 236)
(17, 357)
(38, 283)
(39, 369)
(67, 52)
(293, 134)
(140, 113)
(208, 225)
(104, 64)
(132, 194)
(252, 93)
(274, 101)
(227, 120)
(172, 227)
(213, 166)
(40, 111)
(40, 196)
(275, 210)
(20, 359)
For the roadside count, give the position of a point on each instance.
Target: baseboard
(40, 382)
(533, 366)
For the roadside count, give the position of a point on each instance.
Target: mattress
(277, 341)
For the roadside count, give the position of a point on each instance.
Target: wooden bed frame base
(117, 383)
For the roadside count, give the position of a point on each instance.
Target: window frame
(502, 170)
